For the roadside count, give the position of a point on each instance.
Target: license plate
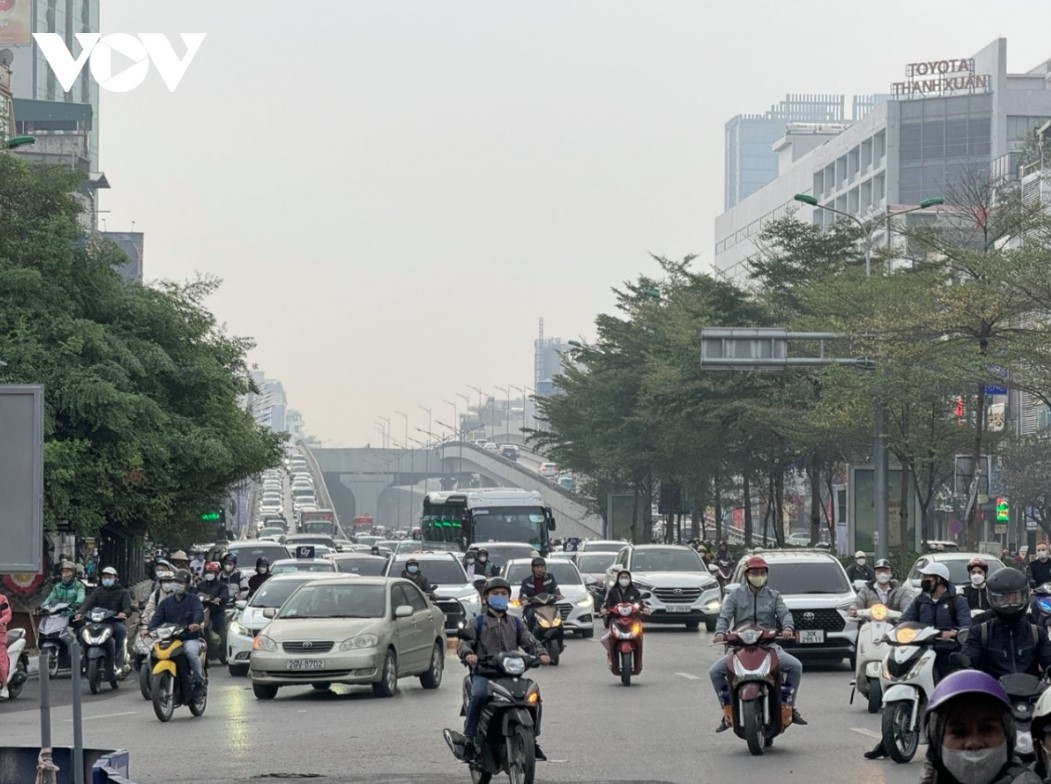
(812, 636)
(306, 664)
(677, 608)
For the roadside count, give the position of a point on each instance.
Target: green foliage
(142, 425)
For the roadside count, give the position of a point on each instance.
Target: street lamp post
(412, 466)
(481, 418)
(507, 412)
(880, 458)
(430, 418)
(525, 405)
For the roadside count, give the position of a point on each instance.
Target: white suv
(815, 587)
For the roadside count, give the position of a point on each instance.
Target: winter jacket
(421, 582)
(156, 597)
(255, 581)
(940, 614)
(209, 590)
(5, 615)
(501, 633)
(1006, 645)
(528, 589)
(616, 595)
(1016, 773)
(1039, 572)
(183, 610)
(855, 572)
(72, 593)
(764, 607)
(977, 598)
(898, 597)
(116, 598)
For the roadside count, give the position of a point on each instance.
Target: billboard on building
(16, 22)
(22, 478)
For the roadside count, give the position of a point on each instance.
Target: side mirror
(550, 521)
(403, 611)
(858, 585)
(479, 584)
(240, 604)
(269, 612)
(731, 587)
(713, 568)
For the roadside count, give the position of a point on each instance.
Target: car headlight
(587, 601)
(713, 605)
(264, 643)
(240, 630)
(361, 641)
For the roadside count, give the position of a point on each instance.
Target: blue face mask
(498, 602)
(108, 582)
(412, 569)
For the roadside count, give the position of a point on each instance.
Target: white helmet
(937, 570)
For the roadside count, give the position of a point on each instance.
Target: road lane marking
(688, 676)
(868, 733)
(106, 716)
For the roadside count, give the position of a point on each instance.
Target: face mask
(977, 579)
(67, 580)
(412, 569)
(483, 558)
(927, 586)
(1041, 555)
(210, 577)
(167, 587)
(260, 570)
(107, 582)
(882, 578)
(860, 562)
(228, 568)
(623, 582)
(498, 602)
(975, 767)
(180, 589)
(757, 580)
(470, 562)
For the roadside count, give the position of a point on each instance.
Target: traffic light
(211, 517)
(959, 410)
(1003, 511)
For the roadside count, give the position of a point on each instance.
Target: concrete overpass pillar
(366, 490)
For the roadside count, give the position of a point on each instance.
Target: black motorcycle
(51, 636)
(1023, 690)
(506, 740)
(547, 624)
(100, 649)
(1040, 605)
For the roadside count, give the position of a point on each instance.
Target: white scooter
(907, 679)
(872, 648)
(17, 662)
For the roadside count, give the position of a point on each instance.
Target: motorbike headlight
(264, 643)
(587, 601)
(361, 641)
(514, 665)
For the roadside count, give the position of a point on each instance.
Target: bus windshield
(490, 524)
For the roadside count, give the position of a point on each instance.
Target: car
(957, 564)
(592, 566)
(509, 452)
(601, 546)
(250, 550)
(249, 619)
(491, 446)
(266, 509)
(816, 589)
(502, 552)
(351, 630)
(567, 483)
(315, 539)
(548, 470)
(288, 565)
(364, 564)
(457, 597)
(577, 608)
(271, 530)
(682, 588)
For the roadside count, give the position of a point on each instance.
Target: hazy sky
(394, 192)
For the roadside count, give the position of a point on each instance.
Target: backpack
(984, 630)
(480, 619)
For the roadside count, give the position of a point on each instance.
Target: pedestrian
(5, 619)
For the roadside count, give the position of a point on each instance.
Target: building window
(866, 195)
(866, 153)
(853, 201)
(879, 147)
(910, 136)
(819, 183)
(841, 171)
(854, 163)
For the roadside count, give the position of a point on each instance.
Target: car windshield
(304, 566)
(797, 578)
(323, 600)
(603, 547)
(958, 568)
(563, 571)
(273, 593)
(248, 555)
(592, 563)
(444, 571)
(666, 560)
(368, 567)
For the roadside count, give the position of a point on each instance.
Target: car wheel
(709, 624)
(587, 634)
(388, 683)
(238, 670)
(264, 691)
(432, 679)
(693, 625)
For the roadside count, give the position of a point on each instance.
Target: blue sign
(571, 544)
(994, 390)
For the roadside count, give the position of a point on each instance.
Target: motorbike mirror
(961, 637)
(240, 604)
(713, 568)
(269, 612)
(858, 585)
(479, 584)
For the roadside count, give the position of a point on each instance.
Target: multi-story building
(948, 117)
(269, 406)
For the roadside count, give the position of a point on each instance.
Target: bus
(491, 514)
(318, 521)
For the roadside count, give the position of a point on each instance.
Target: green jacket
(74, 594)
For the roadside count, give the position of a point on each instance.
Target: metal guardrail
(322, 488)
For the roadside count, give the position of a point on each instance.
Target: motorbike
(170, 681)
(547, 625)
(723, 571)
(1023, 690)
(50, 640)
(757, 703)
(1040, 606)
(907, 679)
(624, 641)
(140, 662)
(18, 662)
(871, 650)
(505, 740)
(100, 649)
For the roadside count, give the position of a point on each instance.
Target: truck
(362, 525)
(318, 521)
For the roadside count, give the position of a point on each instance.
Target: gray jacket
(745, 605)
(899, 597)
(500, 634)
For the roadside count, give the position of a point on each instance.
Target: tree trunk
(719, 537)
(635, 516)
(814, 474)
(971, 526)
(903, 514)
(746, 488)
(779, 497)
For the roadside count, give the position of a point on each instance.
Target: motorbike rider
(236, 583)
(215, 597)
(860, 570)
(883, 589)
(1040, 727)
(500, 633)
(1039, 571)
(68, 589)
(412, 572)
(5, 619)
(977, 592)
(197, 564)
(970, 733)
(111, 595)
(180, 560)
(1008, 643)
(262, 574)
(164, 588)
(756, 602)
(470, 565)
(941, 607)
(623, 590)
(485, 567)
(537, 583)
(185, 609)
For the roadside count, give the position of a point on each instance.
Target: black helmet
(480, 550)
(538, 561)
(495, 582)
(262, 561)
(1008, 591)
(182, 576)
(883, 563)
(230, 558)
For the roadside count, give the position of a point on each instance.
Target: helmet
(967, 682)
(755, 562)
(165, 575)
(230, 558)
(212, 567)
(1041, 717)
(495, 582)
(883, 563)
(538, 562)
(182, 576)
(482, 551)
(262, 561)
(979, 563)
(936, 570)
(179, 555)
(1008, 591)
(859, 554)
(110, 570)
(163, 563)
(68, 565)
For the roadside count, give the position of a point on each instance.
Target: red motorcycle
(623, 641)
(757, 703)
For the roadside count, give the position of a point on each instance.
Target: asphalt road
(658, 730)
